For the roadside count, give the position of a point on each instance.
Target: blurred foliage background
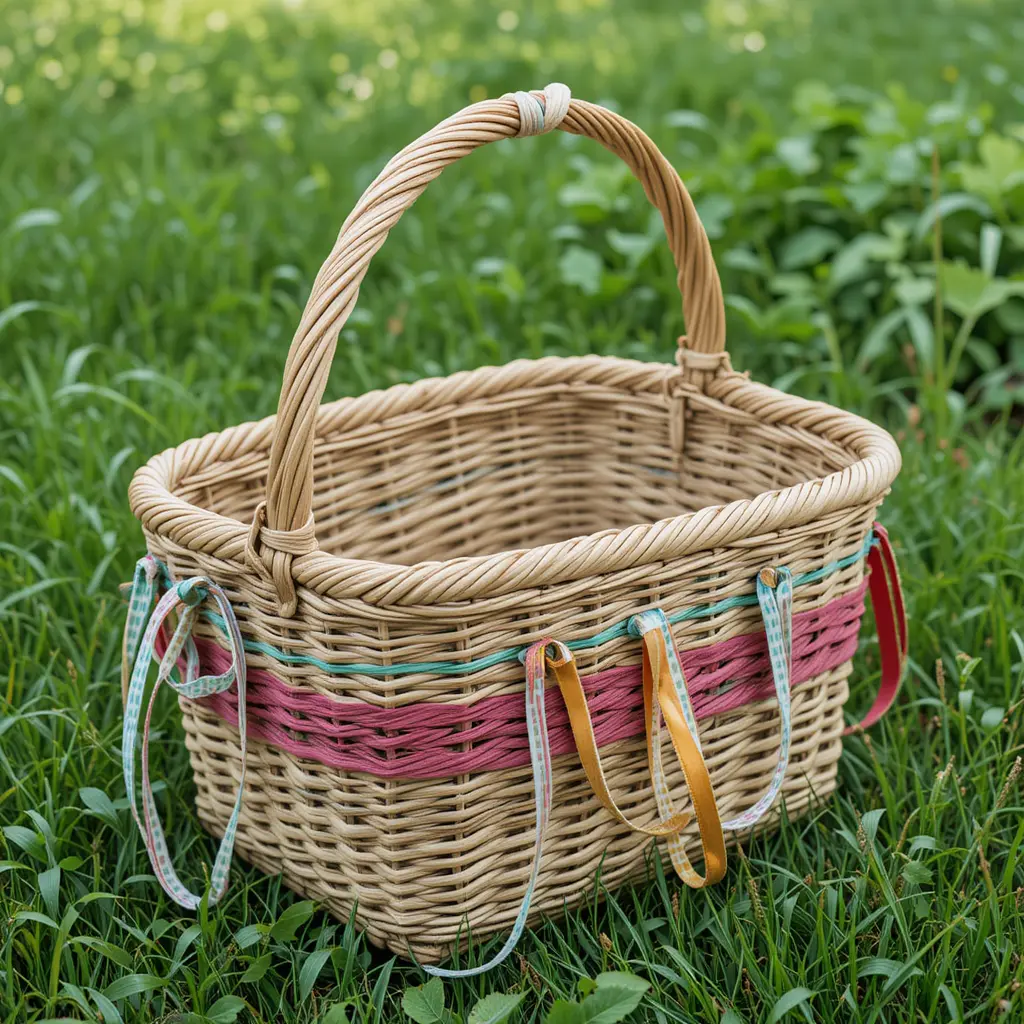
(173, 173)
(147, 146)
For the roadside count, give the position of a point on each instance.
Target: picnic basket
(392, 573)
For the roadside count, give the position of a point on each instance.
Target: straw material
(456, 517)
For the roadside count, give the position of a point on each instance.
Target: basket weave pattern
(439, 740)
(470, 514)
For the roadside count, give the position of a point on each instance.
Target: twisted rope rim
(438, 583)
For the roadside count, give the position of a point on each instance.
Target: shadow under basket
(460, 519)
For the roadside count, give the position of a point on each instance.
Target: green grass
(168, 186)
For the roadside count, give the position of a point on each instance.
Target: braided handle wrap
(399, 184)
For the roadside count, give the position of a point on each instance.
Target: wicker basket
(462, 518)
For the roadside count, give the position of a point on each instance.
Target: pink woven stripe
(431, 741)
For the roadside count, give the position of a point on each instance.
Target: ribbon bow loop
(185, 599)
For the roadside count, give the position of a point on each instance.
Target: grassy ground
(171, 176)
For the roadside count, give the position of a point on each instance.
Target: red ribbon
(891, 622)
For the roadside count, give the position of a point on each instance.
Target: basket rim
(465, 578)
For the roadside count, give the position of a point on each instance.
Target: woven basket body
(460, 517)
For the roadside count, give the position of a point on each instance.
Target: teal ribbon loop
(775, 598)
(141, 632)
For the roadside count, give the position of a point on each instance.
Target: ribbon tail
(540, 756)
(891, 623)
(775, 597)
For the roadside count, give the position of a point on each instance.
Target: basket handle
(287, 529)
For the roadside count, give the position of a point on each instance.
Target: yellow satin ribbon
(659, 698)
(695, 771)
(575, 699)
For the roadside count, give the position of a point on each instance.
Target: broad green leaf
(990, 241)
(620, 979)
(582, 268)
(32, 915)
(731, 1017)
(311, 968)
(120, 956)
(714, 210)
(616, 996)
(185, 941)
(855, 259)
(866, 195)
(49, 888)
(226, 1010)
(251, 934)
(495, 1008)
(636, 248)
(132, 985)
(99, 804)
(946, 206)
(870, 821)
(293, 918)
(1001, 168)
(790, 1001)
(108, 1011)
(425, 1003)
(797, 153)
(815, 100)
(746, 309)
(564, 1012)
(255, 971)
(489, 266)
(596, 192)
(877, 340)
(915, 871)
(742, 258)
(27, 839)
(993, 718)
(808, 247)
(607, 1005)
(902, 165)
(923, 843)
(688, 119)
(337, 1014)
(876, 966)
(922, 335)
(966, 290)
(914, 291)
(971, 294)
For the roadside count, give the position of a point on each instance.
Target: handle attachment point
(291, 542)
(544, 113)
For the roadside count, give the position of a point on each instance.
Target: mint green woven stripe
(457, 668)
